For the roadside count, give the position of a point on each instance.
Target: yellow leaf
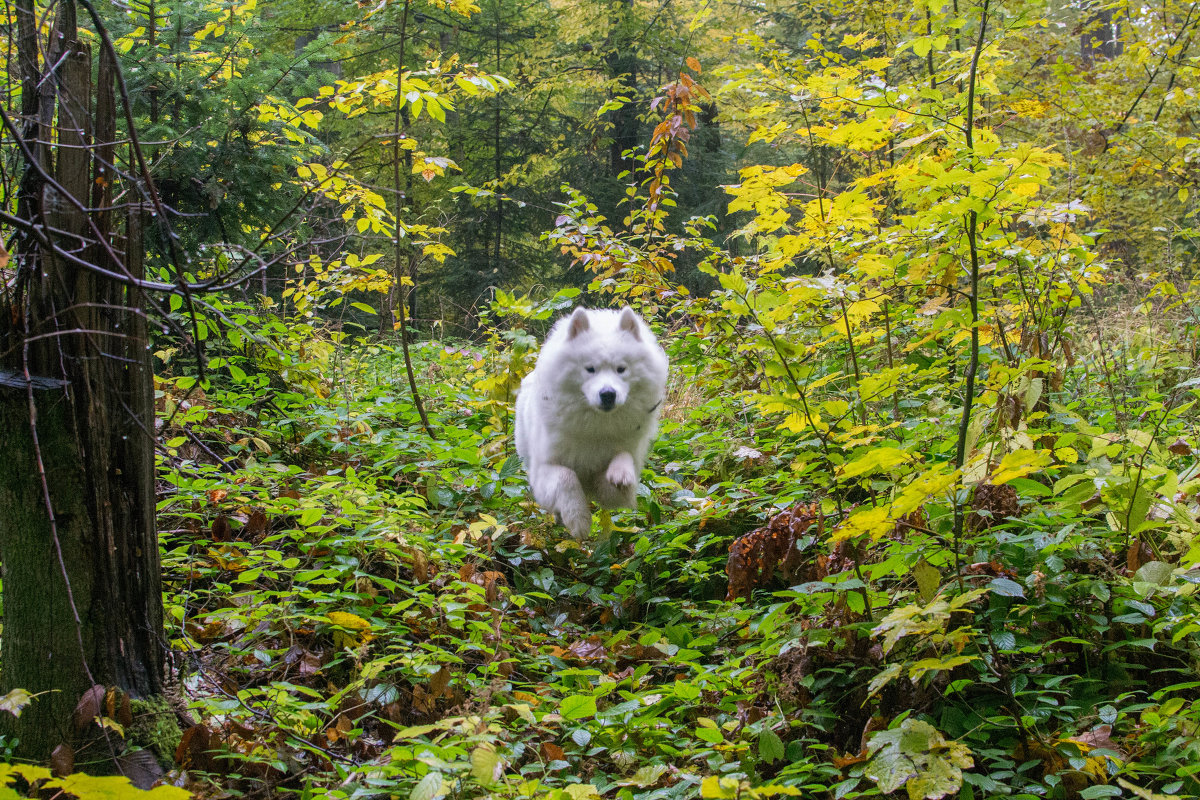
(350, 621)
(720, 788)
(1018, 464)
(879, 458)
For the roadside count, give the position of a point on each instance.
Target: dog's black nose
(608, 399)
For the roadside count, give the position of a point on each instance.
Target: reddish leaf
(754, 557)
(841, 762)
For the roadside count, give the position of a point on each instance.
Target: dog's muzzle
(608, 400)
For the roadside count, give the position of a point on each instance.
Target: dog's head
(607, 357)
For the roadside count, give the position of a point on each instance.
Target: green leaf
(770, 746)
(916, 755)
(928, 580)
(428, 788)
(113, 787)
(579, 706)
(1006, 588)
(1157, 572)
(1146, 794)
(414, 731)
(582, 791)
(483, 763)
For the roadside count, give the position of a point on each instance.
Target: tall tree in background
(82, 592)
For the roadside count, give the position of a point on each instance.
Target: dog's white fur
(587, 413)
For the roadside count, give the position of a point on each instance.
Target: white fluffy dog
(587, 413)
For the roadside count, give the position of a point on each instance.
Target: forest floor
(360, 609)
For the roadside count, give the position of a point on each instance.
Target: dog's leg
(565, 497)
(618, 487)
(621, 471)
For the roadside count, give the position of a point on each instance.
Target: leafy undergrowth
(358, 609)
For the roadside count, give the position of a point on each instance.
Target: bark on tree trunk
(81, 573)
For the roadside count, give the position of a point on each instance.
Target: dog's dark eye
(590, 369)
(620, 370)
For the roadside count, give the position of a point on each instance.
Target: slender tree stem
(408, 365)
(972, 229)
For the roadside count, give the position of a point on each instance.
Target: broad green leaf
(428, 788)
(1157, 572)
(918, 756)
(928, 580)
(113, 787)
(770, 746)
(883, 678)
(484, 762)
(579, 706)
(1006, 588)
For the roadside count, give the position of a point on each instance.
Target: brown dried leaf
(62, 760)
(193, 750)
(1139, 553)
(420, 566)
(439, 682)
(1180, 448)
(222, 531)
(255, 526)
(88, 707)
(588, 649)
(125, 714)
(1100, 736)
(141, 767)
(754, 557)
(552, 752)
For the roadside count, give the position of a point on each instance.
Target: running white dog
(587, 413)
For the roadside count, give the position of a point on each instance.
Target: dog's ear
(629, 323)
(578, 323)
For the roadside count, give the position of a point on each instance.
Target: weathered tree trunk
(81, 574)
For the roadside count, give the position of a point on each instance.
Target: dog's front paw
(578, 522)
(621, 473)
